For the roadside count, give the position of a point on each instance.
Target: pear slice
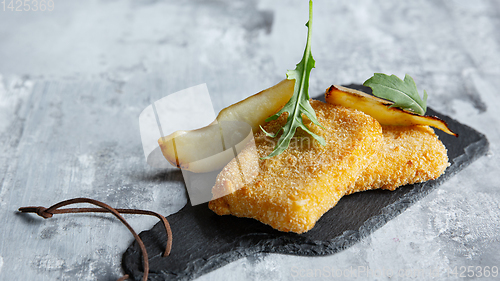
(207, 145)
(380, 109)
(255, 109)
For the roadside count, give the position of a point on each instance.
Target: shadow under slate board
(204, 241)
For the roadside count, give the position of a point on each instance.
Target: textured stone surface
(73, 82)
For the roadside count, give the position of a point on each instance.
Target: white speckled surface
(73, 82)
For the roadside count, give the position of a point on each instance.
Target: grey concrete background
(73, 82)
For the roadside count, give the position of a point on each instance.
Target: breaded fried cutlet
(409, 154)
(291, 191)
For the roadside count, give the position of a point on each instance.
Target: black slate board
(204, 241)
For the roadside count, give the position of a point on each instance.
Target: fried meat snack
(291, 191)
(409, 154)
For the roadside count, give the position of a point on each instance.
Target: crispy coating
(293, 190)
(409, 154)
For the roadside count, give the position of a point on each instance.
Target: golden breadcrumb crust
(409, 154)
(291, 191)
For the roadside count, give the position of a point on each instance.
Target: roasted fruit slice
(184, 148)
(380, 109)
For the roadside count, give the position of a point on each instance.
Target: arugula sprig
(299, 102)
(404, 94)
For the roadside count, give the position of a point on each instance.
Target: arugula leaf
(299, 102)
(404, 94)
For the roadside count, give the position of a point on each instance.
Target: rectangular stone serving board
(204, 241)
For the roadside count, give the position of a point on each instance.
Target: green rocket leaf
(404, 94)
(299, 102)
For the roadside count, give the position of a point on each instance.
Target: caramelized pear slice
(255, 109)
(183, 148)
(380, 109)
